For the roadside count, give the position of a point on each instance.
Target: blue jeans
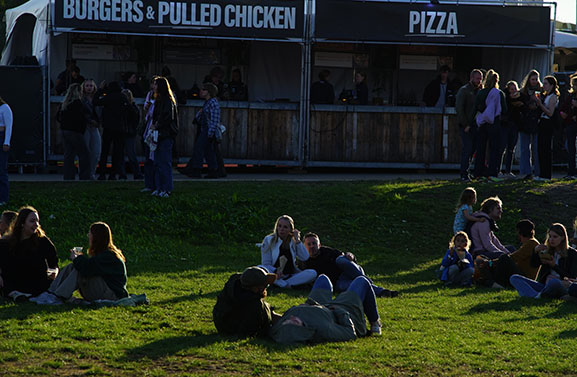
(148, 170)
(75, 145)
(528, 144)
(351, 271)
(509, 136)
(571, 136)
(203, 150)
(163, 165)
(526, 287)
(130, 152)
(469, 146)
(457, 277)
(4, 185)
(361, 286)
(94, 145)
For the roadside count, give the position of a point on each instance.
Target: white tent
(27, 31)
(565, 40)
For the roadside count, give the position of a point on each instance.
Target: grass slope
(181, 250)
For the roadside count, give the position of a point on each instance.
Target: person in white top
(546, 125)
(6, 119)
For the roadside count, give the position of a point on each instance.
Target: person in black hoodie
(114, 122)
(132, 122)
(73, 117)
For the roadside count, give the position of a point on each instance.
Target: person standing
(361, 92)
(92, 133)
(530, 114)
(510, 127)
(73, 117)
(438, 91)
(132, 122)
(546, 126)
(6, 120)
(322, 91)
(165, 121)
(150, 141)
(465, 108)
(568, 113)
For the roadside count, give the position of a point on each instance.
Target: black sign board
(271, 19)
(421, 23)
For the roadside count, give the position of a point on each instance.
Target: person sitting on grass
(279, 253)
(241, 309)
(341, 268)
(322, 319)
(100, 275)
(6, 221)
(482, 233)
(556, 261)
(465, 210)
(457, 264)
(28, 258)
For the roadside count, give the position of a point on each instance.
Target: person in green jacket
(241, 309)
(322, 319)
(100, 275)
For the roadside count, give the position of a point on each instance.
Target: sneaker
(155, 193)
(164, 194)
(465, 178)
(510, 175)
(528, 177)
(146, 189)
(387, 293)
(376, 327)
(569, 177)
(541, 179)
(495, 179)
(18, 296)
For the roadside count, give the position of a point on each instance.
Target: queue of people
(29, 268)
(493, 120)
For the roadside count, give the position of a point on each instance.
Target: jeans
(509, 136)
(469, 146)
(571, 136)
(528, 144)
(117, 139)
(148, 170)
(351, 271)
(130, 152)
(163, 165)
(457, 277)
(203, 150)
(362, 287)
(74, 145)
(526, 287)
(4, 185)
(544, 148)
(94, 145)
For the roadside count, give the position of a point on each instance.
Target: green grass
(181, 250)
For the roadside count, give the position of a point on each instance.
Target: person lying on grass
(28, 258)
(341, 268)
(556, 261)
(100, 275)
(322, 319)
(279, 253)
(241, 309)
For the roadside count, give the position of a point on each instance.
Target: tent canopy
(565, 40)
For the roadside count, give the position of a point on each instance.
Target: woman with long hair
(92, 133)
(546, 125)
(133, 120)
(165, 121)
(556, 261)
(279, 253)
(490, 103)
(568, 113)
(150, 141)
(99, 275)
(28, 259)
(510, 128)
(73, 117)
(530, 113)
(6, 120)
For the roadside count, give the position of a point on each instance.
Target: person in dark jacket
(556, 261)
(28, 259)
(440, 92)
(132, 122)
(510, 126)
(241, 309)
(361, 92)
(568, 114)
(100, 275)
(73, 117)
(322, 91)
(114, 111)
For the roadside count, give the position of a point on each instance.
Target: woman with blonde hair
(73, 117)
(546, 125)
(490, 103)
(92, 133)
(279, 253)
(530, 113)
(99, 275)
(568, 113)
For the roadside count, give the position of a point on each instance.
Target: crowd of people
(492, 120)
(476, 255)
(29, 268)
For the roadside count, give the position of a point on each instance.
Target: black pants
(544, 138)
(117, 140)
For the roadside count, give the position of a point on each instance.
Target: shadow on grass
(191, 297)
(171, 346)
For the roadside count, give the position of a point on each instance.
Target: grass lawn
(180, 252)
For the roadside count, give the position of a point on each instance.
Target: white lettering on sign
(433, 23)
(104, 10)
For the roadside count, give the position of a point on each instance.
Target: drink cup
(77, 249)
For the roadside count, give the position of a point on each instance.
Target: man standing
(322, 91)
(240, 307)
(438, 92)
(341, 268)
(465, 108)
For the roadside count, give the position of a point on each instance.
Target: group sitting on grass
(29, 264)
(535, 270)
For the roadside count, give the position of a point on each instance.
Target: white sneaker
(164, 194)
(376, 327)
(146, 189)
(155, 193)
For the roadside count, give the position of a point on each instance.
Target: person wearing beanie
(241, 309)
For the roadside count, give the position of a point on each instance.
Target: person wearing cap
(322, 319)
(207, 121)
(241, 308)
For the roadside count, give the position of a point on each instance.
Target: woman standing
(149, 139)
(568, 113)
(510, 127)
(361, 92)
(279, 252)
(26, 255)
(546, 125)
(165, 121)
(100, 275)
(132, 122)
(73, 117)
(6, 120)
(92, 133)
(528, 127)
(556, 261)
